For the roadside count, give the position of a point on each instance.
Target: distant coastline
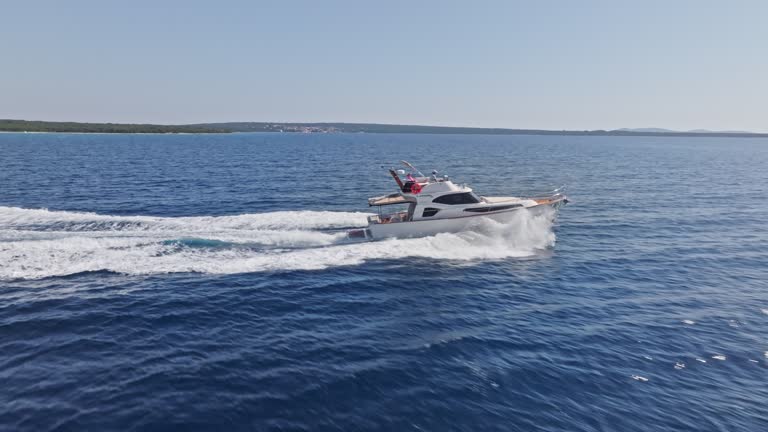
(74, 127)
(202, 128)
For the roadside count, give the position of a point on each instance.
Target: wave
(37, 243)
(80, 221)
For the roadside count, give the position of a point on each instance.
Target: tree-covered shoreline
(44, 126)
(75, 127)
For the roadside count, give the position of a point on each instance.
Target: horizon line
(634, 130)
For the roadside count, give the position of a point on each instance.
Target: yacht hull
(423, 228)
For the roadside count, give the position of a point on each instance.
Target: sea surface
(204, 283)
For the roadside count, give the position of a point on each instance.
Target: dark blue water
(203, 283)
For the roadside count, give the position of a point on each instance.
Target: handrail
(557, 192)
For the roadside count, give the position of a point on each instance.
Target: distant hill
(648, 130)
(669, 131)
(706, 131)
(43, 126)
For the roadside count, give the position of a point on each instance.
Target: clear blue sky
(532, 64)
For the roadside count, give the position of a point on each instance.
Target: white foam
(78, 221)
(719, 357)
(689, 322)
(42, 243)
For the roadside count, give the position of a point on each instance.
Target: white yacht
(435, 204)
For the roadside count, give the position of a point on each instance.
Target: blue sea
(204, 283)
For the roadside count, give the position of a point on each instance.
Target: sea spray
(40, 243)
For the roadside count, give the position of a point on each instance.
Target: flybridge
(413, 183)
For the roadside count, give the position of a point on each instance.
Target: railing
(555, 193)
(388, 218)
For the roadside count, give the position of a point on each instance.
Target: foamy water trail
(40, 243)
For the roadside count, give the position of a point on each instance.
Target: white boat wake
(36, 244)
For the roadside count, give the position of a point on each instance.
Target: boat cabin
(429, 198)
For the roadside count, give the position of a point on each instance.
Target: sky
(544, 64)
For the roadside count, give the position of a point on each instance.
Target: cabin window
(429, 212)
(492, 208)
(457, 198)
